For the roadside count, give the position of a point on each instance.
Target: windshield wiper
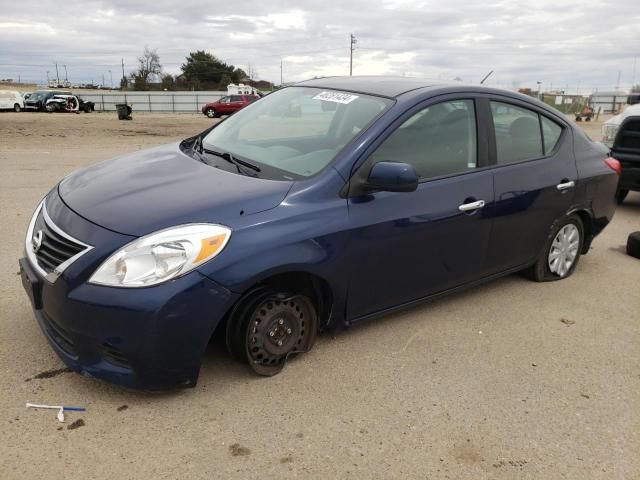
(231, 159)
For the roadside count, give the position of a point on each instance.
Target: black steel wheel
(267, 327)
(17, 108)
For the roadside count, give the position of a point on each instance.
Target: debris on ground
(49, 374)
(239, 451)
(77, 424)
(122, 408)
(567, 321)
(61, 409)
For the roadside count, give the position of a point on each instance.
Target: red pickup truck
(227, 105)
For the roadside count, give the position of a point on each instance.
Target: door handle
(468, 207)
(566, 185)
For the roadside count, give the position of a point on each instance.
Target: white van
(11, 100)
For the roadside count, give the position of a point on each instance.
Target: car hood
(629, 111)
(158, 188)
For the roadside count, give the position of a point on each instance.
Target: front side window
(518, 134)
(297, 131)
(236, 98)
(438, 140)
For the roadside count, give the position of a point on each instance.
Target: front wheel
(267, 326)
(17, 108)
(561, 252)
(211, 113)
(52, 107)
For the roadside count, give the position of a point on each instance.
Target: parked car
(68, 103)
(324, 204)
(11, 100)
(227, 105)
(622, 134)
(38, 99)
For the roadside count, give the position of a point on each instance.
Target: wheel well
(588, 229)
(313, 286)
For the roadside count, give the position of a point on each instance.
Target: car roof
(384, 86)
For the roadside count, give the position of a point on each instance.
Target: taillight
(614, 165)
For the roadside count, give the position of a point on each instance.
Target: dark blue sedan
(322, 204)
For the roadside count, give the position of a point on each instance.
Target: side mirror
(393, 177)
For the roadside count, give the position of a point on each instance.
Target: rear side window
(518, 135)
(551, 132)
(438, 140)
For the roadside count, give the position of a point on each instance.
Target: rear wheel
(267, 326)
(561, 252)
(51, 107)
(17, 107)
(621, 195)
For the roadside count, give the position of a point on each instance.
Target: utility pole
(66, 77)
(48, 81)
(123, 77)
(281, 82)
(111, 75)
(102, 81)
(618, 82)
(57, 76)
(353, 42)
(633, 78)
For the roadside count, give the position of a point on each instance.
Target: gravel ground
(512, 379)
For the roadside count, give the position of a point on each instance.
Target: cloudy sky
(563, 43)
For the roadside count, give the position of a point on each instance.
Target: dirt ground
(512, 379)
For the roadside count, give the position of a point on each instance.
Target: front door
(410, 245)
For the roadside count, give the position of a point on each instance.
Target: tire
(552, 263)
(633, 244)
(621, 195)
(266, 327)
(17, 108)
(87, 109)
(52, 107)
(211, 113)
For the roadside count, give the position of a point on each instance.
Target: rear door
(534, 179)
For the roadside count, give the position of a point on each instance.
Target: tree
(124, 84)
(239, 75)
(168, 82)
(635, 89)
(149, 69)
(224, 81)
(204, 70)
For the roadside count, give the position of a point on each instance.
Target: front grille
(60, 336)
(55, 248)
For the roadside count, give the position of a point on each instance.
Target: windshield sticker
(336, 97)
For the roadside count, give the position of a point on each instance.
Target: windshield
(37, 95)
(297, 130)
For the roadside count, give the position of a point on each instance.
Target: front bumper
(149, 338)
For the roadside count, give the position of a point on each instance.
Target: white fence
(153, 101)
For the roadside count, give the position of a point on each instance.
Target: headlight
(609, 132)
(162, 255)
